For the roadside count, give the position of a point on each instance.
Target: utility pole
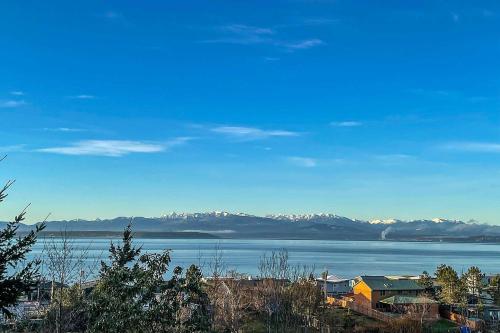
(325, 289)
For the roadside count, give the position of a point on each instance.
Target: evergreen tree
(132, 294)
(473, 280)
(495, 289)
(452, 290)
(426, 282)
(14, 279)
(197, 301)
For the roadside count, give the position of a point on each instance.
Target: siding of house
(336, 288)
(365, 294)
(343, 287)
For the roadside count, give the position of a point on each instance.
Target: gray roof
(384, 283)
(333, 279)
(399, 299)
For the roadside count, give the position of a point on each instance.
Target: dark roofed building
(373, 289)
(414, 306)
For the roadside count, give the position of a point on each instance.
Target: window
(382, 293)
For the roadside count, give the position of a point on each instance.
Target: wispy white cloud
(246, 40)
(242, 34)
(63, 129)
(243, 29)
(395, 159)
(473, 147)
(305, 162)
(350, 123)
(113, 148)
(12, 104)
(433, 92)
(251, 133)
(11, 148)
(83, 96)
(303, 44)
(452, 95)
(17, 93)
(320, 21)
(250, 35)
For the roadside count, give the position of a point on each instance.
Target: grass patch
(443, 325)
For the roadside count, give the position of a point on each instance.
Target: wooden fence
(367, 310)
(475, 324)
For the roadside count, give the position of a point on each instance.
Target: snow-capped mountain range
(286, 226)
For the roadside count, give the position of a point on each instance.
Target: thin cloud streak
(305, 162)
(12, 148)
(113, 148)
(243, 34)
(12, 104)
(474, 147)
(251, 133)
(250, 35)
(320, 21)
(64, 129)
(243, 29)
(350, 123)
(83, 96)
(304, 44)
(17, 93)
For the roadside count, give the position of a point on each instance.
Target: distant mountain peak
(386, 221)
(304, 217)
(286, 226)
(184, 215)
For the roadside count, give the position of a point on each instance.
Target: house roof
(386, 283)
(400, 299)
(332, 278)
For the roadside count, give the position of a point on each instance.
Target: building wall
(343, 287)
(335, 288)
(365, 294)
(433, 311)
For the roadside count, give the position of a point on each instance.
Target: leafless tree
(65, 264)
(217, 289)
(282, 287)
(217, 266)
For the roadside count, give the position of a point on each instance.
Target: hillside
(314, 226)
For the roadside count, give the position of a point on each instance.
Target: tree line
(135, 291)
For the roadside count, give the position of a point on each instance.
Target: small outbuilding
(414, 306)
(335, 286)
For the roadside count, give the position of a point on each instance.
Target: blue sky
(361, 108)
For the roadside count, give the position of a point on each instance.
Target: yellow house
(372, 289)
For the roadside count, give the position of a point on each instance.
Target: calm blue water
(344, 258)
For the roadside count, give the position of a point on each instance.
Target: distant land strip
(119, 234)
(244, 226)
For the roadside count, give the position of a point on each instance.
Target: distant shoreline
(205, 235)
(138, 234)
